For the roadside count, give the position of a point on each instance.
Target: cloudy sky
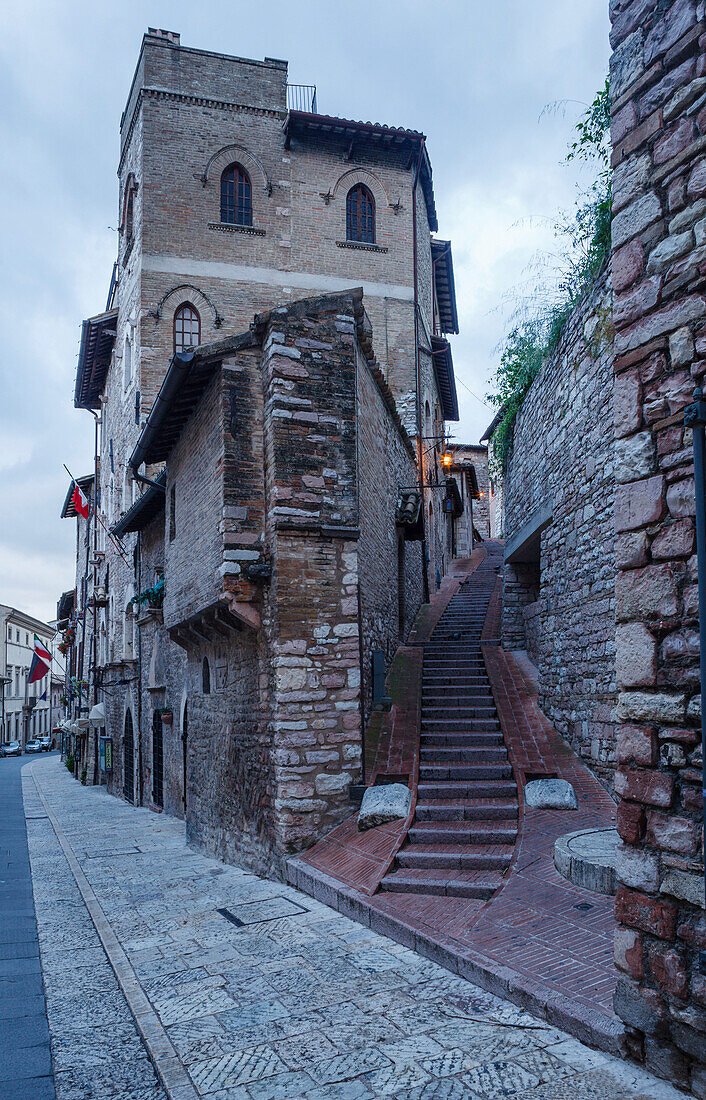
(474, 76)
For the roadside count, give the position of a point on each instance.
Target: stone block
(550, 794)
(663, 1059)
(689, 1040)
(628, 265)
(696, 187)
(639, 301)
(627, 404)
(668, 969)
(639, 1007)
(646, 593)
(635, 655)
(675, 540)
(672, 834)
(681, 347)
(670, 317)
(630, 822)
(631, 549)
(635, 218)
(627, 951)
(681, 499)
(387, 802)
(332, 784)
(634, 456)
(674, 141)
(637, 868)
(653, 915)
(636, 744)
(675, 22)
(639, 502)
(653, 788)
(685, 886)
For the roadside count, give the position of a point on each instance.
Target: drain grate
(584, 906)
(259, 912)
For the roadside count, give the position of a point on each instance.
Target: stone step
(467, 809)
(456, 884)
(471, 754)
(454, 857)
(463, 788)
(462, 832)
(454, 709)
(457, 698)
(462, 739)
(458, 725)
(435, 773)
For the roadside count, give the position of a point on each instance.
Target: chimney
(169, 36)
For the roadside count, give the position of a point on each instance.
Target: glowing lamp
(446, 461)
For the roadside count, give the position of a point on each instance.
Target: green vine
(586, 238)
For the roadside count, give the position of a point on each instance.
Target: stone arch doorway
(128, 759)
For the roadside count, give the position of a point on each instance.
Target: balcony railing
(301, 97)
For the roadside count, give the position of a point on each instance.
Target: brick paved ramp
(531, 935)
(285, 999)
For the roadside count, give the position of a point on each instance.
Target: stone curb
(592, 1028)
(170, 1070)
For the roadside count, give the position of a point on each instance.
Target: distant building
(17, 630)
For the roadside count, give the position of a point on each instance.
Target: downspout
(139, 676)
(417, 370)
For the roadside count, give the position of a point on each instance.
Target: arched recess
(127, 207)
(360, 175)
(201, 301)
(250, 162)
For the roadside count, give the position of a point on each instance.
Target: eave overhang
(444, 285)
(490, 430)
(86, 483)
(144, 510)
(444, 371)
(374, 137)
(97, 340)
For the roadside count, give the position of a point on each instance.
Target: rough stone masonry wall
(563, 611)
(658, 88)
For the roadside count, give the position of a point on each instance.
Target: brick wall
(566, 590)
(659, 131)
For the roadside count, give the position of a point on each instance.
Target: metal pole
(695, 418)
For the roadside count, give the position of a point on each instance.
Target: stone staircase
(465, 826)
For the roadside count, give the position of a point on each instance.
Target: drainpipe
(417, 371)
(138, 800)
(695, 418)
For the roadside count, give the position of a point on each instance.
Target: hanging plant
(153, 597)
(167, 716)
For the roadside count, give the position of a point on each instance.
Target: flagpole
(118, 545)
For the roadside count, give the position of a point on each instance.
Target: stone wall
(659, 136)
(559, 533)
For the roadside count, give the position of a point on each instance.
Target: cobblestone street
(244, 989)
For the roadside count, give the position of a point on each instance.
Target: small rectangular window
(172, 513)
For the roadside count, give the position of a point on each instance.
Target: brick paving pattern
(308, 1005)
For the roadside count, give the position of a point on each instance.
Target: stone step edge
(589, 1026)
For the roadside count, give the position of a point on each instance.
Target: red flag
(41, 661)
(80, 502)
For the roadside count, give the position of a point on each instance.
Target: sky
(476, 77)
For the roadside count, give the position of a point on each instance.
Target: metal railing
(301, 97)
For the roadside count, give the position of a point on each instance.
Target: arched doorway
(157, 759)
(184, 744)
(128, 759)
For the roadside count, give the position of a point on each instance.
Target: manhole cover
(587, 858)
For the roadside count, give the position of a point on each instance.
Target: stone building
(469, 467)
(272, 378)
(600, 574)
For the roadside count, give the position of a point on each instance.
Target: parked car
(35, 745)
(11, 748)
(45, 742)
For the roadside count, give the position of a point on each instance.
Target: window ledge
(228, 227)
(363, 246)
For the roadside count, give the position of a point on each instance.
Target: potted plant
(167, 716)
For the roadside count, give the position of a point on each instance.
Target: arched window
(360, 215)
(206, 677)
(187, 327)
(236, 196)
(129, 212)
(127, 362)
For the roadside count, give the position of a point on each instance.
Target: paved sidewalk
(280, 997)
